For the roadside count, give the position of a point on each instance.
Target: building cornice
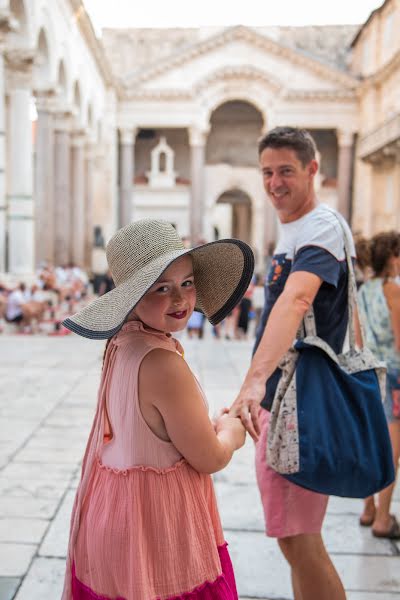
(290, 95)
(158, 95)
(240, 33)
(321, 95)
(86, 28)
(383, 73)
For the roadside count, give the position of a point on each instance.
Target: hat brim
(222, 273)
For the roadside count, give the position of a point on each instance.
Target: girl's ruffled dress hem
(223, 588)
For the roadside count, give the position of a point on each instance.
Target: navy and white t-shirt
(315, 244)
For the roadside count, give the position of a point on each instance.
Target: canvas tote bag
(328, 432)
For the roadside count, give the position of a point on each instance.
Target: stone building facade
(376, 61)
(207, 95)
(54, 167)
(165, 123)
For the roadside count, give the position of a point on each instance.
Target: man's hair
(298, 140)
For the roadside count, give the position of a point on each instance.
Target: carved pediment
(243, 73)
(149, 76)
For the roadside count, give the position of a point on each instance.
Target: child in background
(145, 523)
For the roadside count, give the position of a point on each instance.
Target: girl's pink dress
(145, 524)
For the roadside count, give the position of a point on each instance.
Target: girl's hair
(363, 252)
(378, 251)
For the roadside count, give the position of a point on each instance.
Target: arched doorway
(236, 126)
(241, 213)
(232, 170)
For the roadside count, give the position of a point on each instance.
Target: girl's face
(169, 303)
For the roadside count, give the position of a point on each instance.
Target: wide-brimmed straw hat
(137, 256)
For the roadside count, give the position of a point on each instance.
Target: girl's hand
(218, 415)
(234, 427)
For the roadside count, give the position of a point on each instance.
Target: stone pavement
(46, 404)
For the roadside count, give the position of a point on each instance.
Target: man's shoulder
(323, 228)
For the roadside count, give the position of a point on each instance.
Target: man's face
(288, 184)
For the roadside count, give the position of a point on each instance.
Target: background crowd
(40, 306)
(58, 292)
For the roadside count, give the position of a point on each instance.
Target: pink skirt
(223, 588)
(288, 508)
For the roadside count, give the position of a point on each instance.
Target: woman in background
(379, 305)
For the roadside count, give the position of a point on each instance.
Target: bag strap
(352, 289)
(308, 325)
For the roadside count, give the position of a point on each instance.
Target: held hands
(224, 422)
(247, 404)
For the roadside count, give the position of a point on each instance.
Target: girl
(145, 524)
(379, 305)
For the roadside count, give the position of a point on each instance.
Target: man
(308, 268)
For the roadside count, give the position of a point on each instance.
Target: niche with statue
(162, 174)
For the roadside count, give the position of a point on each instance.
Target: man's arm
(284, 320)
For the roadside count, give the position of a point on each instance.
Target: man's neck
(305, 208)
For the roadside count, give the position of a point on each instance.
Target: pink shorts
(288, 509)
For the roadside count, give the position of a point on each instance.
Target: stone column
(21, 234)
(126, 174)
(345, 169)
(197, 141)
(44, 181)
(62, 190)
(78, 232)
(89, 200)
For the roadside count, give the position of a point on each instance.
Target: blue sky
(184, 13)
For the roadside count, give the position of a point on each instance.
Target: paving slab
(345, 536)
(29, 531)
(41, 455)
(8, 587)
(369, 573)
(261, 572)
(34, 508)
(30, 488)
(44, 580)
(55, 543)
(15, 559)
(45, 471)
(240, 507)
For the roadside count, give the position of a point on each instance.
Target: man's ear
(313, 167)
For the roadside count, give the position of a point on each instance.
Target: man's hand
(247, 404)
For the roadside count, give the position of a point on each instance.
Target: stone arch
(235, 127)
(42, 67)
(99, 131)
(77, 99)
(19, 13)
(77, 103)
(244, 83)
(46, 46)
(241, 214)
(62, 79)
(89, 116)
